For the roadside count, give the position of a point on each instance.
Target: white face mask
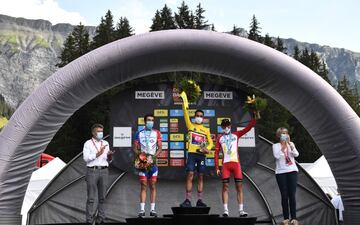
(99, 135)
(227, 130)
(198, 120)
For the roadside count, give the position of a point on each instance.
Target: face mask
(149, 124)
(99, 135)
(227, 130)
(283, 137)
(198, 120)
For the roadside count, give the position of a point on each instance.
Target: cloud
(40, 9)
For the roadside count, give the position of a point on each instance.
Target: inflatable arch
(334, 126)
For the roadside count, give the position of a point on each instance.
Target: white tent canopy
(38, 181)
(321, 172)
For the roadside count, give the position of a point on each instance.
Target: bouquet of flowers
(190, 88)
(255, 104)
(144, 161)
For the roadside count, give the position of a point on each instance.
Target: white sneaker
(225, 214)
(141, 214)
(243, 213)
(285, 222)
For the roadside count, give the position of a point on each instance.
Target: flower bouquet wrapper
(144, 162)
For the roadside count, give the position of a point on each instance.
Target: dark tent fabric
(334, 126)
(63, 201)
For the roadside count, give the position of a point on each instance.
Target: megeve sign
(218, 95)
(149, 95)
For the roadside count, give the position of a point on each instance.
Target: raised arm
(247, 128)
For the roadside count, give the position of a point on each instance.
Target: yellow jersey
(197, 133)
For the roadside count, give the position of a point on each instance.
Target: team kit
(151, 150)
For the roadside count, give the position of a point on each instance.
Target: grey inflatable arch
(327, 117)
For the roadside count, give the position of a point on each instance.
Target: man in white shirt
(96, 154)
(338, 204)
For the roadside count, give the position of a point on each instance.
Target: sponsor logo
(176, 145)
(164, 129)
(176, 137)
(122, 137)
(223, 95)
(163, 154)
(149, 95)
(165, 145)
(161, 113)
(210, 162)
(177, 162)
(164, 137)
(176, 113)
(177, 154)
(141, 121)
(209, 112)
(162, 162)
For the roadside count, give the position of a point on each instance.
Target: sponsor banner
(206, 125)
(219, 130)
(176, 112)
(164, 137)
(162, 120)
(165, 145)
(164, 154)
(221, 95)
(149, 95)
(210, 162)
(160, 112)
(162, 162)
(141, 121)
(220, 162)
(176, 137)
(211, 154)
(219, 119)
(209, 112)
(174, 125)
(122, 137)
(248, 139)
(174, 120)
(177, 145)
(164, 129)
(141, 128)
(176, 97)
(177, 154)
(164, 124)
(177, 162)
(174, 129)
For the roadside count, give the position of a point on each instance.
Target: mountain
(29, 51)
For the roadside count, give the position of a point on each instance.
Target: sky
(326, 22)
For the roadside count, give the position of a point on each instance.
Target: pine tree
(296, 53)
(268, 41)
(167, 19)
(324, 72)
(254, 32)
(200, 22)
(123, 29)
(280, 45)
(82, 41)
(157, 23)
(184, 18)
(75, 45)
(212, 27)
(236, 30)
(105, 32)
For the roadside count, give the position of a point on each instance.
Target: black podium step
(190, 210)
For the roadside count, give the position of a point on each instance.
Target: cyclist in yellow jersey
(199, 144)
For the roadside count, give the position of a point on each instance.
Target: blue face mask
(149, 124)
(99, 135)
(283, 137)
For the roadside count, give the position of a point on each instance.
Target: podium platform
(192, 216)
